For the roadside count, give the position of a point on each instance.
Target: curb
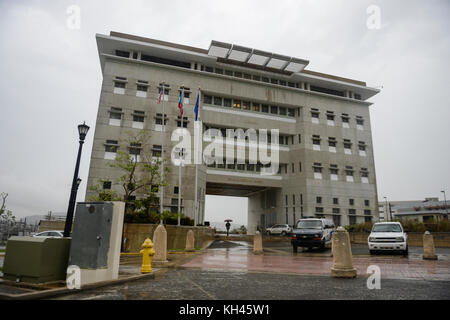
(63, 291)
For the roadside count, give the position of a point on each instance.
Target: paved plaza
(228, 270)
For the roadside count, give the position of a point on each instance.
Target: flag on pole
(180, 104)
(196, 106)
(160, 96)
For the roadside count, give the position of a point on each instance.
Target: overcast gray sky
(51, 78)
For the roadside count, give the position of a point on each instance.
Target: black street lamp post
(82, 131)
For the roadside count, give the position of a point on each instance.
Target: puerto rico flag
(180, 104)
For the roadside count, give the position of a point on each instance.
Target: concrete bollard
(257, 243)
(429, 252)
(332, 249)
(342, 255)
(147, 253)
(160, 240)
(190, 240)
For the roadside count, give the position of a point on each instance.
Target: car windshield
(387, 228)
(309, 224)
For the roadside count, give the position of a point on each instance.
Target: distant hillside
(220, 226)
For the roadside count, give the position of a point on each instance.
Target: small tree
(140, 173)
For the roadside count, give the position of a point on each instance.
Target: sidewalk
(240, 258)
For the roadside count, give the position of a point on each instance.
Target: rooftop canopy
(256, 57)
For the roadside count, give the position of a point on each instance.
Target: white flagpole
(161, 199)
(196, 206)
(181, 161)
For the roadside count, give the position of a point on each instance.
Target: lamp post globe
(82, 132)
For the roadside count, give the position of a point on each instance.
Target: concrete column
(429, 252)
(342, 255)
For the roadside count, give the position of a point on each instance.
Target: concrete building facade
(325, 143)
(429, 209)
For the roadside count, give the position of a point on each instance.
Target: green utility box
(36, 260)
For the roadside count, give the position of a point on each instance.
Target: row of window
(237, 74)
(116, 115)
(142, 86)
(240, 104)
(330, 117)
(334, 170)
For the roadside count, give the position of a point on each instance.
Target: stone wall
(415, 239)
(135, 235)
(47, 225)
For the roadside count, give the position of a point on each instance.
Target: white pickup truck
(388, 236)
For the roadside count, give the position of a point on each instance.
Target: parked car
(279, 229)
(312, 233)
(388, 236)
(49, 234)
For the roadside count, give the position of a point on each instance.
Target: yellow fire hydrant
(147, 253)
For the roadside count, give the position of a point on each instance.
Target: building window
(336, 211)
(218, 71)
(115, 116)
(364, 175)
(138, 119)
(238, 74)
(349, 173)
(317, 167)
(291, 112)
(165, 95)
(207, 99)
(236, 104)
(334, 172)
(119, 85)
(315, 115)
(366, 203)
(159, 121)
(351, 218)
(227, 102)
(175, 190)
(319, 210)
(337, 220)
(121, 53)
(107, 185)
(299, 167)
(362, 148)
(265, 108)
(274, 109)
(332, 144)
(347, 146)
(345, 120)
(217, 101)
(245, 105)
(141, 89)
(229, 73)
(156, 151)
(330, 118)
(318, 199)
(256, 78)
(256, 107)
(335, 200)
(135, 151)
(299, 138)
(283, 111)
(316, 142)
(185, 122)
(111, 147)
(367, 218)
(359, 123)
(351, 202)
